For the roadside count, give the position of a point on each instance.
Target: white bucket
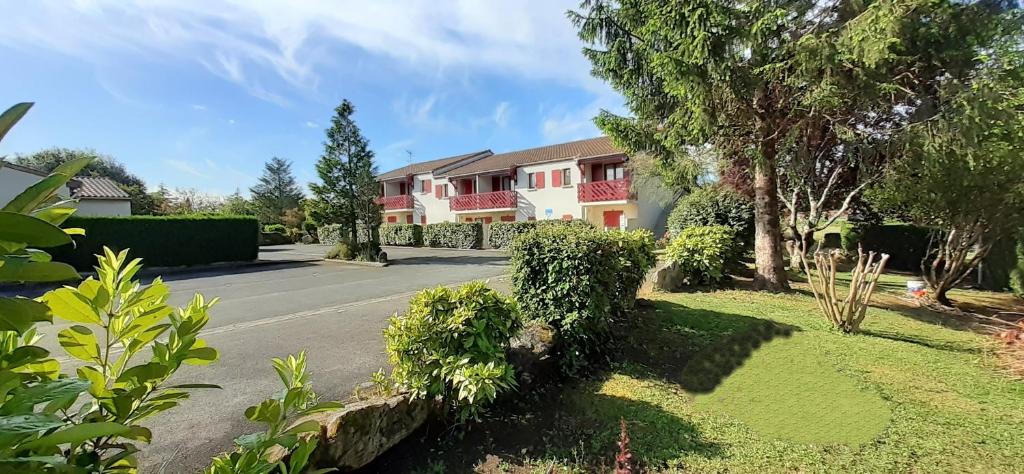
(915, 287)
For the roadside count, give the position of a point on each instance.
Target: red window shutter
(540, 180)
(508, 218)
(423, 220)
(392, 219)
(556, 178)
(408, 219)
(426, 185)
(437, 191)
(488, 219)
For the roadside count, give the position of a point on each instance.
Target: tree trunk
(771, 274)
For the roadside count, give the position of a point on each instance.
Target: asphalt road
(334, 311)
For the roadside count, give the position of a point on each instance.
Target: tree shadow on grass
(923, 342)
(697, 348)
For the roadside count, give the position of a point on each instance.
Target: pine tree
(276, 191)
(348, 188)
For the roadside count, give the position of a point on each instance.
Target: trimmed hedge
(401, 234)
(453, 235)
(703, 253)
(906, 244)
(502, 233)
(578, 281)
(163, 240)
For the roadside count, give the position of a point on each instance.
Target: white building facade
(96, 196)
(586, 179)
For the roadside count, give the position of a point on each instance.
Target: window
(566, 177)
(531, 179)
(424, 186)
(615, 171)
(444, 190)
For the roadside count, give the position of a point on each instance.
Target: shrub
(906, 244)
(454, 235)
(702, 253)
(578, 281)
(164, 240)
(401, 234)
(330, 234)
(503, 233)
(341, 251)
(258, 452)
(279, 228)
(451, 344)
(998, 266)
(293, 234)
(715, 206)
(309, 227)
(577, 224)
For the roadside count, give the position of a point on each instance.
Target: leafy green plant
(578, 280)
(702, 253)
(503, 233)
(453, 235)
(279, 228)
(43, 425)
(284, 446)
(401, 234)
(715, 205)
(451, 344)
(330, 234)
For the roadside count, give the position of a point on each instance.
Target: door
(612, 219)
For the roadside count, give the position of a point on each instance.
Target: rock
(530, 354)
(365, 390)
(665, 276)
(363, 430)
(382, 257)
(308, 239)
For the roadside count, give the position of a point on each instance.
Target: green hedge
(401, 234)
(703, 253)
(578, 281)
(502, 233)
(906, 244)
(453, 235)
(164, 240)
(712, 206)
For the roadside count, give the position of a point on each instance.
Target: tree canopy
(275, 191)
(791, 84)
(348, 188)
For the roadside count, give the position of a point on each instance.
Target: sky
(199, 94)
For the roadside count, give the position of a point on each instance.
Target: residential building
(415, 194)
(585, 179)
(96, 196)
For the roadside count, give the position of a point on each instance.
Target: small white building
(96, 196)
(584, 179)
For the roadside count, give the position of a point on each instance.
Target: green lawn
(738, 381)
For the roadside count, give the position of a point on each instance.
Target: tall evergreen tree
(777, 83)
(276, 191)
(348, 188)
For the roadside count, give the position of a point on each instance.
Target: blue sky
(199, 94)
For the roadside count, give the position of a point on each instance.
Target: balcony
(602, 191)
(395, 203)
(483, 201)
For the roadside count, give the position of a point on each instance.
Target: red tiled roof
(429, 166)
(589, 148)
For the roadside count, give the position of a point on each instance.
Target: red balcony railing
(391, 203)
(472, 202)
(597, 191)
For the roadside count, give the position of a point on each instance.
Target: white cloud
(501, 114)
(198, 107)
(276, 48)
(185, 167)
(421, 113)
(311, 124)
(231, 122)
(561, 124)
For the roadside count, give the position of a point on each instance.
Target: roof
(26, 169)
(94, 187)
(430, 166)
(589, 148)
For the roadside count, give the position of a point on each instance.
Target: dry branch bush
(848, 313)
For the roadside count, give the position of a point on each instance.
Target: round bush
(702, 253)
(715, 206)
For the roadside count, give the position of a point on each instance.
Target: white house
(585, 179)
(96, 196)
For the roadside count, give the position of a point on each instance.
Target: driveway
(334, 311)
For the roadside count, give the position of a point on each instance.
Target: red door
(408, 219)
(612, 219)
(467, 186)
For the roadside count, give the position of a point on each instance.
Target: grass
(742, 381)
